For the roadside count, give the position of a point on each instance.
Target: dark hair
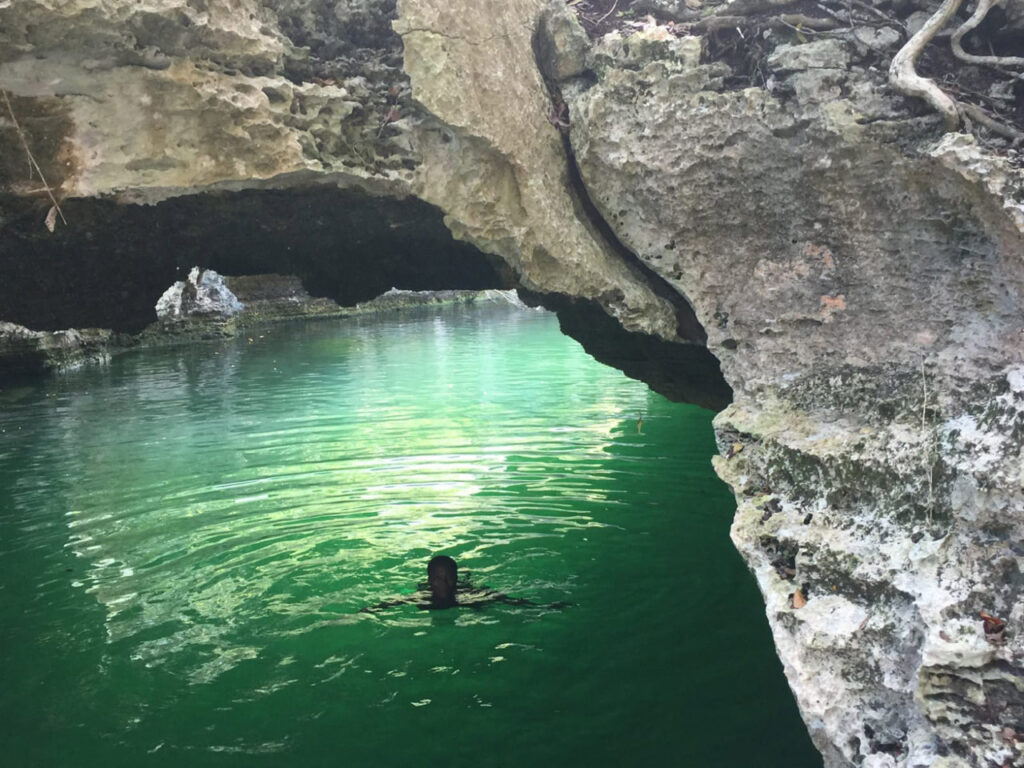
(443, 564)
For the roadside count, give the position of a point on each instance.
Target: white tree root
(984, 6)
(31, 159)
(903, 73)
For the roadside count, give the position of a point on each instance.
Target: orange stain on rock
(831, 304)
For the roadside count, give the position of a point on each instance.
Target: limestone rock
(26, 352)
(496, 165)
(243, 93)
(866, 303)
(562, 43)
(858, 274)
(202, 293)
(272, 298)
(819, 54)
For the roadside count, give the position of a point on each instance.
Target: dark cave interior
(108, 267)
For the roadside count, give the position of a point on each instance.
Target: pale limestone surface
(209, 106)
(863, 287)
(500, 172)
(202, 292)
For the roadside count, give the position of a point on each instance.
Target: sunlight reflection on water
(194, 533)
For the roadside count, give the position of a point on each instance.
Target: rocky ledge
(28, 353)
(828, 197)
(204, 307)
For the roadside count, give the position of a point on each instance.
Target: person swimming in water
(443, 591)
(443, 582)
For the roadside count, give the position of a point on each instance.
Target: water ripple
(205, 493)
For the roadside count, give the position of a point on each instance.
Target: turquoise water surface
(187, 538)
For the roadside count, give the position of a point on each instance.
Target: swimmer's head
(442, 576)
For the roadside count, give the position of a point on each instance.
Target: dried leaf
(51, 218)
(992, 624)
(799, 601)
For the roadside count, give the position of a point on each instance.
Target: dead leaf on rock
(994, 628)
(51, 218)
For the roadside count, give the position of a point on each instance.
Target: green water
(187, 536)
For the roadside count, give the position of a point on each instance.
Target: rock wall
(242, 95)
(28, 354)
(858, 271)
(860, 276)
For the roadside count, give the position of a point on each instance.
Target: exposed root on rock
(55, 211)
(903, 69)
(741, 31)
(976, 113)
(984, 6)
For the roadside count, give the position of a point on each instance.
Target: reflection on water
(229, 509)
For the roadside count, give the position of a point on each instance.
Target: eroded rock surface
(861, 278)
(203, 292)
(246, 94)
(28, 353)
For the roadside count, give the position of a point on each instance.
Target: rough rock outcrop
(29, 353)
(272, 298)
(861, 278)
(858, 271)
(203, 292)
(241, 94)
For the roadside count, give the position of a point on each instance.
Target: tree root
(809, 23)
(903, 73)
(903, 69)
(32, 162)
(977, 114)
(984, 6)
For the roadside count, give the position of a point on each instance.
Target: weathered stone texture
(498, 169)
(160, 99)
(861, 279)
(202, 292)
(28, 353)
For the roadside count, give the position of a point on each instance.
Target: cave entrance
(109, 267)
